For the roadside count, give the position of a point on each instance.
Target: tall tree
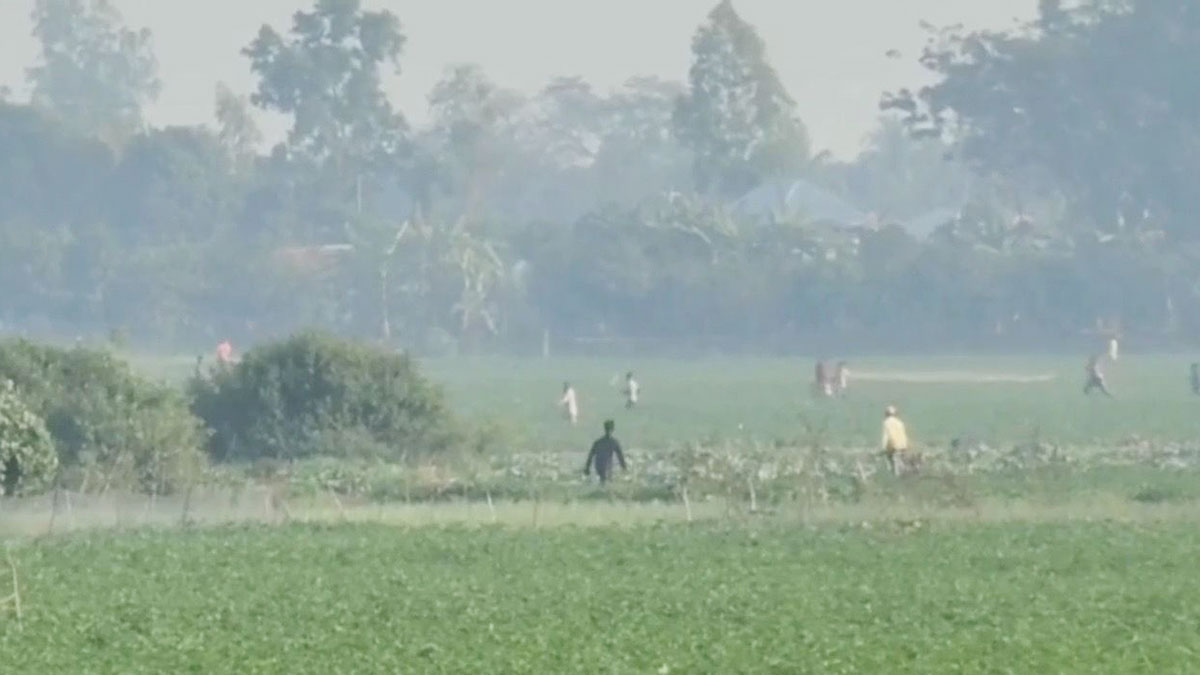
(49, 174)
(572, 117)
(94, 73)
(899, 177)
(639, 156)
(737, 118)
(326, 74)
(1097, 98)
(474, 132)
(236, 129)
(172, 186)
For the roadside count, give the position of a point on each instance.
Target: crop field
(796, 553)
(707, 598)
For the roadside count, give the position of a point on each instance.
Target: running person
(823, 386)
(569, 403)
(1095, 377)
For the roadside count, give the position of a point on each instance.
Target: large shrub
(318, 395)
(110, 427)
(28, 462)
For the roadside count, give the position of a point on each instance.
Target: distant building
(799, 200)
(310, 261)
(791, 200)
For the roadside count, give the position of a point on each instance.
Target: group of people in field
(569, 402)
(832, 381)
(1095, 371)
(606, 447)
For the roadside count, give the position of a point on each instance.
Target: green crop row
(904, 598)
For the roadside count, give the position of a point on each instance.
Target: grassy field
(1062, 597)
(770, 399)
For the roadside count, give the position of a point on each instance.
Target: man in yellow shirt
(895, 440)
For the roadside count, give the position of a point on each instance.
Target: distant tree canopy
(1041, 184)
(93, 73)
(325, 74)
(737, 118)
(1097, 99)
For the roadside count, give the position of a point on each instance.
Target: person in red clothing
(225, 353)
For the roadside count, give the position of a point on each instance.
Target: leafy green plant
(28, 462)
(316, 395)
(110, 428)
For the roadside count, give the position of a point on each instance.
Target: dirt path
(951, 377)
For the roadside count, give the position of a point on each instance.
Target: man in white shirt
(569, 403)
(842, 377)
(631, 390)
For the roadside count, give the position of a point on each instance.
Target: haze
(831, 55)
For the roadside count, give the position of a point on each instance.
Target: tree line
(1050, 165)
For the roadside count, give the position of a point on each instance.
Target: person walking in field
(841, 377)
(602, 453)
(895, 440)
(569, 403)
(1095, 376)
(823, 384)
(1196, 379)
(631, 391)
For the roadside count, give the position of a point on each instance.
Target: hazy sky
(830, 53)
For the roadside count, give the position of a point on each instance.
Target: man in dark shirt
(601, 454)
(1095, 377)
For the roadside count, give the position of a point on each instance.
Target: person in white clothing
(569, 403)
(842, 378)
(631, 390)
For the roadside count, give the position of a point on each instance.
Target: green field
(1025, 558)
(769, 399)
(772, 598)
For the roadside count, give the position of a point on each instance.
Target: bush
(315, 395)
(110, 428)
(28, 462)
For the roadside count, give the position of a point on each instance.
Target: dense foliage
(28, 461)
(109, 426)
(1094, 99)
(313, 394)
(1038, 200)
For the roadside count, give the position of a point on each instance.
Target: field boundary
(36, 517)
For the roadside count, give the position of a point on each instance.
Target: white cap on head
(890, 410)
